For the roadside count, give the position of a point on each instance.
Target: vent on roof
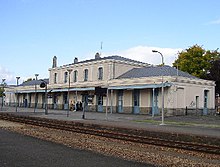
(54, 62)
(97, 56)
(75, 60)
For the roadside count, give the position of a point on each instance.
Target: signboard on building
(100, 91)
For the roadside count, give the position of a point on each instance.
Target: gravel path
(159, 156)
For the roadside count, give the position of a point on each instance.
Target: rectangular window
(100, 73)
(86, 75)
(65, 77)
(75, 76)
(55, 78)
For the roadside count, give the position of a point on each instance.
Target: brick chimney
(54, 62)
(75, 60)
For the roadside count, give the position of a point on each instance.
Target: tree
(29, 79)
(196, 61)
(214, 74)
(193, 61)
(200, 63)
(1, 91)
(2, 86)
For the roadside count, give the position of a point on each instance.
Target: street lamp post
(44, 85)
(162, 89)
(35, 101)
(69, 71)
(3, 84)
(16, 104)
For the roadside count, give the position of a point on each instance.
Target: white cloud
(139, 53)
(7, 75)
(145, 54)
(10, 77)
(215, 22)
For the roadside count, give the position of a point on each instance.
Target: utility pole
(162, 91)
(35, 102)
(17, 100)
(68, 110)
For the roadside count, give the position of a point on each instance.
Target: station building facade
(127, 86)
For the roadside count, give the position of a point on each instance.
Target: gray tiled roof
(32, 82)
(153, 71)
(114, 57)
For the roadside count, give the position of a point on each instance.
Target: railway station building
(116, 84)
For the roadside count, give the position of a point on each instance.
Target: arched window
(75, 75)
(86, 73)
(55, 78)
(100, 73)
(65, 77)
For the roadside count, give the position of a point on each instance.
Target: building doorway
(155, 110)
(85, 100)
(205, 109)
(136, 101)
(65, 101)
(99, 103)
(120, 101)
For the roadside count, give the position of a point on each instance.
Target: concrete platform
(24, 151)
(196, 125)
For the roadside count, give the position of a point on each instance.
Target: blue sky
(33, 31)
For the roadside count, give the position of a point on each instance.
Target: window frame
(55, 78)
(75, 76)
(65, 77)
(100, 73)
(86, 74)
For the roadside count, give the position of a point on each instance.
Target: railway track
(110, 132)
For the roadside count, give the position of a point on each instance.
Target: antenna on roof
(101, 48)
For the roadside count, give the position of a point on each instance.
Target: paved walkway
(198, 125)
(23, 151)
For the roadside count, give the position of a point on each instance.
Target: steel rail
(110, 133)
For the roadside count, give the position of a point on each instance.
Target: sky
(33, 31)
